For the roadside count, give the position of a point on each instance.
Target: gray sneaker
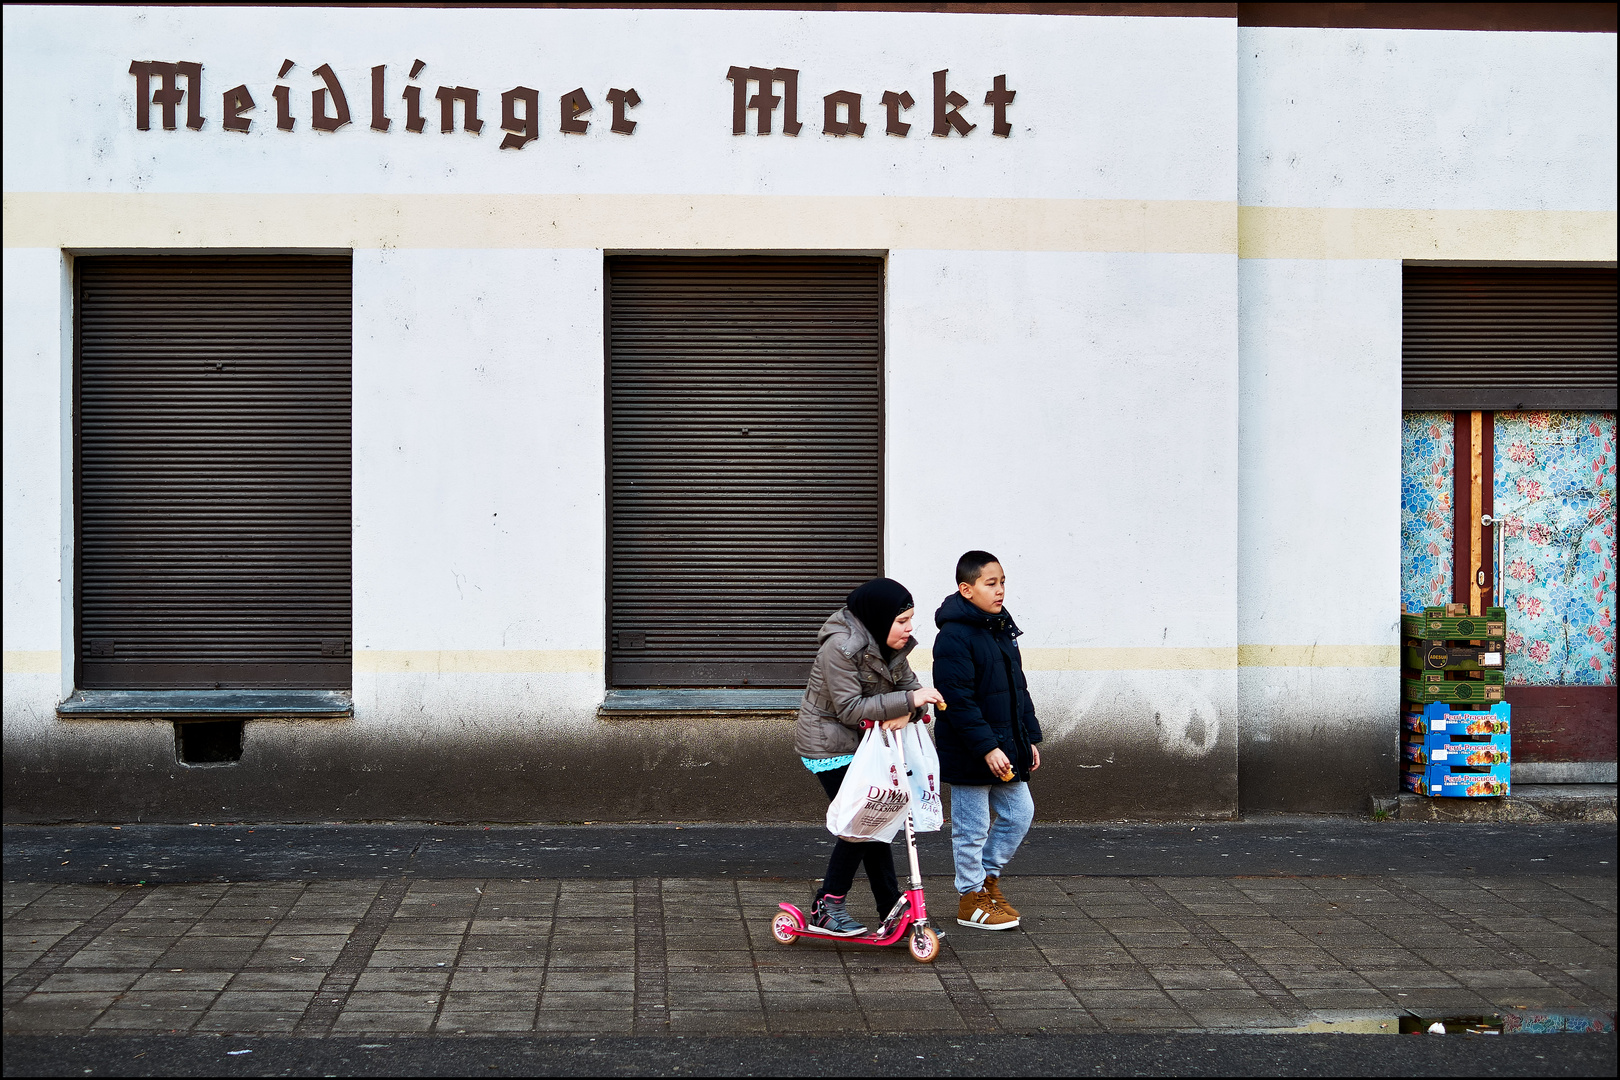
(828, 914)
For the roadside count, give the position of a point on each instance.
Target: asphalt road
(1260, 847)
(1005, 1055)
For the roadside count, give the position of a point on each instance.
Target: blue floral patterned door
(1426, 509)
(1555, 492)
(1552, 486)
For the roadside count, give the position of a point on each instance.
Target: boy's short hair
(970, 567)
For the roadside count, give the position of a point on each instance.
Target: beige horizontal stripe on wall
(477, 661)
(1168, 659)
(1149, 659)
(514, 661)
(1319, 656)
(1288, 232)
(580, 661)
(33, 662)
(92, 221)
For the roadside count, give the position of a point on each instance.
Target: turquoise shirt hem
(827, 764)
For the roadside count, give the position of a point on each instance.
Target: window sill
(187, 704)
(700, 705)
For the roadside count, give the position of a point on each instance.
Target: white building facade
(1140, 334)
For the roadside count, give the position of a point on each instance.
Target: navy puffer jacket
(978, 669)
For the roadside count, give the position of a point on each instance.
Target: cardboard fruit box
(1487, 677)
(1457, 750)
(1435, 625)
(1450, 658)
(1440, 719)
(1456, 691)
(1458, 781)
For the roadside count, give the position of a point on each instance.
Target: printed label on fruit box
(1440, 719)
(1459, 785)
(1457, 753)
(1467, 754)
(1473, 787)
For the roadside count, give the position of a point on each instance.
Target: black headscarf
(876, 604)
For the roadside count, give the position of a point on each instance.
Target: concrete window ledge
(216, 704)
(700, 705)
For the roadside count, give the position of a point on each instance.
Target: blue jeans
(982, 849)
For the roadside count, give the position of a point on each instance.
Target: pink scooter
(910, 914)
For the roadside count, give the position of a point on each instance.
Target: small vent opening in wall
(208, 742)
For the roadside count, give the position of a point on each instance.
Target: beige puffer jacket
(850, 683)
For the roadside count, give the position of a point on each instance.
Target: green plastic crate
(1457, 691)
(1491, 678)
(1435, 625)
(1452, 658)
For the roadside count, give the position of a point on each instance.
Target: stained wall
(1360, 150)
(1082, 373)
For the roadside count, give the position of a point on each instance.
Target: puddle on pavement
(1387, 1024)
(1365, 1025)
(1515, 1022)
(1396, 1025)
(1453, 1025)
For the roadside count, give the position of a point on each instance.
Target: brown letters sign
(168, 85)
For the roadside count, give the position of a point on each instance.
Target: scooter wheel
(783, 927)
(924, 945)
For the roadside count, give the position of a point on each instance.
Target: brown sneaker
(993, 887)
(980, 909)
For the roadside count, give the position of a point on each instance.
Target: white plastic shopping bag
(922, 763)
(872, 801)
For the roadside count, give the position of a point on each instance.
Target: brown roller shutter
(745, 461)
(1508, 338)
(212, 472)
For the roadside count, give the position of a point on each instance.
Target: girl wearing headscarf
(861, 673)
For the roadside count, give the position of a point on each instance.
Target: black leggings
(878, 858)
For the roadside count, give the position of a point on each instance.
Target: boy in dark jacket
(987, 737)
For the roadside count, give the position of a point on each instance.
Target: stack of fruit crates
(1466, 753)
(1457, 738)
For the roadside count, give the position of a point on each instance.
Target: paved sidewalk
(672, 955)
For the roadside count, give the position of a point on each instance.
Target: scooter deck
(893, 937)
(859, 939)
